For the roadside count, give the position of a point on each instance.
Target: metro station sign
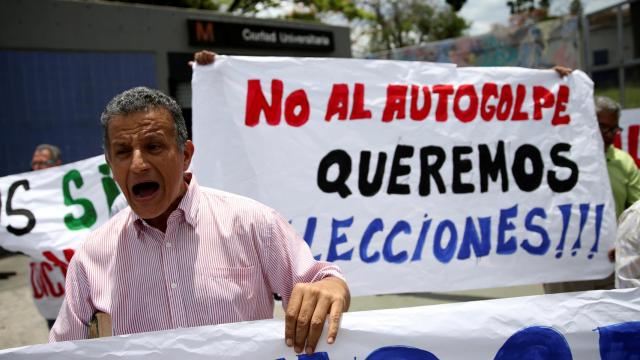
(215, 33)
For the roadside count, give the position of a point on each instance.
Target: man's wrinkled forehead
(155, 119)
(43, 152)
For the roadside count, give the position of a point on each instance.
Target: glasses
(611, 130)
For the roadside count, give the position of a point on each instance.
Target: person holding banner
(624, 177)
(623, 172)
(182, 255)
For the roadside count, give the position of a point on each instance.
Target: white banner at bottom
(592, 325)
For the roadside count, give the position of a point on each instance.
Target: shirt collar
(187, 208)
(191, 200)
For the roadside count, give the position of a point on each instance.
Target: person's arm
(76, 311)
(628, 250)
(310, 289)
(633, 183)
(308, 307)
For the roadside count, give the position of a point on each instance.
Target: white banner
(414, 176)
(46, 214)
(628, 138)
(597, 325)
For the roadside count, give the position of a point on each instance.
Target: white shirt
(628, 248)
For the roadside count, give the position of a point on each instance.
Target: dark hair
(142, 99)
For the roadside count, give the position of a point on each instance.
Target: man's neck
(160, 222)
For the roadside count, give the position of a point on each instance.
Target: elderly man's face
(42, 160)
(608, 128)
(147, 162)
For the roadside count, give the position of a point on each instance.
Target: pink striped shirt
(220, 260)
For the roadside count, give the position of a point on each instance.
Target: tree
(520, 6)
(456, 4)
(302, 9)
(401, 23)
(575, 8)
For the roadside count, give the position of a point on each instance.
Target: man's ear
(188, 151)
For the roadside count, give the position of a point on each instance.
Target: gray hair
(55, 152)
(142, 99)
(607, 105)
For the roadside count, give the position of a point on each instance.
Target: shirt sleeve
(633, 184)
(628, 250)
(289, 260)
(76, 311)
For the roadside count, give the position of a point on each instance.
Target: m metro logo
(240, 35)
(201, 32)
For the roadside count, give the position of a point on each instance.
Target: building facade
(612, 51)
(62, 60)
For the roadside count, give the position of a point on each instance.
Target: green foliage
(631, 94)
(251, 6)
(348, 8)
(312, 10)
(400, 23)
(303, 9)
(520, 6)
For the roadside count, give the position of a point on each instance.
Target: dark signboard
(215, 33)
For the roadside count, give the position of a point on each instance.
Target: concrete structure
(61, 60)
(612, 51)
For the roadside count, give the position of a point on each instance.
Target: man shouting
(184, 255)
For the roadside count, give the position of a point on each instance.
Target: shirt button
(174, 285)
(168, 244)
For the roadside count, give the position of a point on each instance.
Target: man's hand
(562, 71)
(308, 308)
(203, 57)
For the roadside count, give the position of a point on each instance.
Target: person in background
(625, 184)
(623, 172)
(624, 177)
(46, 156)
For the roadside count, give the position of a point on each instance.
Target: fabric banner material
(46, 214)
(597, 325)
(414, 176)
(628, 138)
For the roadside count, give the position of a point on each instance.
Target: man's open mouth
(145, 189)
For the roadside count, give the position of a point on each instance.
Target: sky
(484, 13)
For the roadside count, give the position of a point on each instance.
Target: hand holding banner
(596, 325)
